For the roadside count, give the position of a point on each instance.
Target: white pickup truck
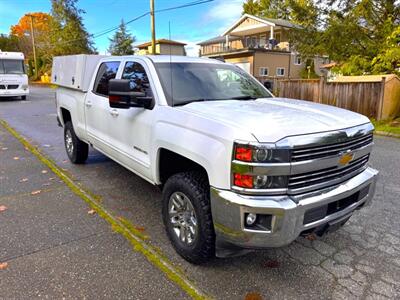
(240, 169)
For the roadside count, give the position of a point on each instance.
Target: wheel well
(171, 163)
(66, 115)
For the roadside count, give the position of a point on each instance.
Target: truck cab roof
(168, 58)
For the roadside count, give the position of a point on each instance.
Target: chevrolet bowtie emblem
(345, 158)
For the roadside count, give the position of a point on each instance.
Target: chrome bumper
(287, 222)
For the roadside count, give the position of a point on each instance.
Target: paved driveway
(361, 260)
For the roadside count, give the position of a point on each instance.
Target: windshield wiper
(190, 101)
(244, 98)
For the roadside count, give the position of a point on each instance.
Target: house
(260, 46)
(163, 46)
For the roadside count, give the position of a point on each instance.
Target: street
(361, 260)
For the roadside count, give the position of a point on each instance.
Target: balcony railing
(208, 50)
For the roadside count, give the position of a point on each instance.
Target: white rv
(13, 80)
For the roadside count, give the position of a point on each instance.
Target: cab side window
(139, 82)
(107, 70)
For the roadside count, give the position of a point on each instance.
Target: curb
(151, 254)
(384, 133)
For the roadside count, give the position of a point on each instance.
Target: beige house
(163, 46)
(258, 45)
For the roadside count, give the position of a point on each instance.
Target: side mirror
(121, 96)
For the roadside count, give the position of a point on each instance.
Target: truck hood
(271, 119)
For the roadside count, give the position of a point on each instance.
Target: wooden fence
(362, 97)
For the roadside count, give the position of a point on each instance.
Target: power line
(106, 31)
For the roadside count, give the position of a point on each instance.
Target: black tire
(195, 186)
(79, 152)
(23, 98)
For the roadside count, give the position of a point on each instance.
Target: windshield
(189, 82)
(11, 66)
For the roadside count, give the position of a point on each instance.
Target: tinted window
(107, 71)
(11, 66)
(139, 82)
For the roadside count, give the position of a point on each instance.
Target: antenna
(170, 64)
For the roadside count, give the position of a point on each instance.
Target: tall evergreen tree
(121, 42)
(69, 35)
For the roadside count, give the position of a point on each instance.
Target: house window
(297, 60)
(263, 71)
(280, 71)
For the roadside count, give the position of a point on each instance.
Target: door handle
(88, 103)
(114, 112)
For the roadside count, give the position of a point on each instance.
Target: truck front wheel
(187, 216)
(77, 150)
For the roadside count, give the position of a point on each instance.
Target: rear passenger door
(97, 109)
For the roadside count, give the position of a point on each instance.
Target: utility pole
(153, 29)
(33, 45)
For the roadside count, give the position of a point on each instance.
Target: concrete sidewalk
(51, 247)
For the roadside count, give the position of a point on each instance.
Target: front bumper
(287, 213)
(13, 92)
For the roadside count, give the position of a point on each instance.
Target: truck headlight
(24, 86)
(252, 164)
(262, 154)
(259, 181)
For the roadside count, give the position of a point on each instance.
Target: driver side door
(131, 127)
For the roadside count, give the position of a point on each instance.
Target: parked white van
(13, 80)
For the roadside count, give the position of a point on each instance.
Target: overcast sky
(190, 25)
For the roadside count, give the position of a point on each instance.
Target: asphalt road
(361, 260)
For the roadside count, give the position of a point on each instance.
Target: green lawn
(392, 126)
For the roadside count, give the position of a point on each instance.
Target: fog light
(251, 219)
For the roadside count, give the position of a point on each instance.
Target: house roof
(266, 21)
(219, 39)
(161, 41)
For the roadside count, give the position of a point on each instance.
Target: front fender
(211, 152)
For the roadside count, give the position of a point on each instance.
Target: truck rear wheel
(187, 216)
(77, 150)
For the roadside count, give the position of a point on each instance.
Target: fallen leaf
(65, 161)
(36, 192)
(311, 237)
(24, 180)
(46, 145)
(3, 266)
(44, 171)
(91, 212)
(253, 296)
(51, 178)
(3, 208)
(272, 264)
(4, 148)
(140, 228)
(46, 184)
(15, 157)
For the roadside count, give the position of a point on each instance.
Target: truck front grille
(2, 87)
(325, 177)
(12, 86)
(327, 150)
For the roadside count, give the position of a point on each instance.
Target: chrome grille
(327, 150)
(330, 176)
